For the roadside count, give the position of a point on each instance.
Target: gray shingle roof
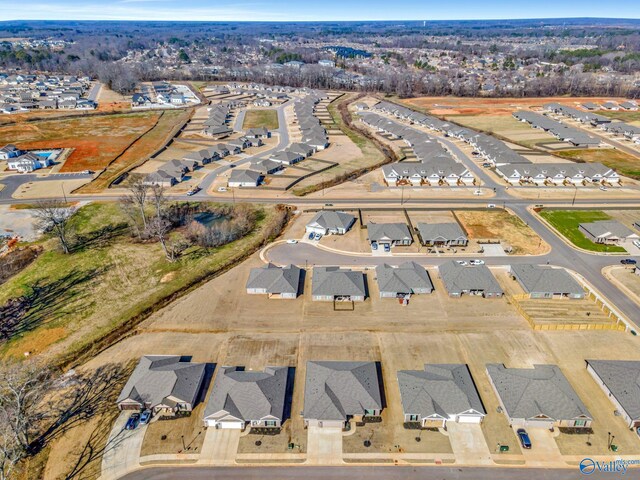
(404, 279)
(334, 390)
(606, 228)
(157, 377)
(536, 278)
(622, 378)
(458, 278)
(248, 395)
(531, 392)
(275, 279)
(332, 220)
(245, 176)
(430, 232)
(337, 281)
(439, 389)
(388, 232)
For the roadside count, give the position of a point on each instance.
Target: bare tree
(23, 387)
(158, 199)
(11, 452)
(134, 206)
(159, 228)
(54, 215)
(138, 197)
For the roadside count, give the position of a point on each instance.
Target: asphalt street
(362, 473)
(12, 183)
(283, 141)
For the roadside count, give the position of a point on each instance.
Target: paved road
(361, 473)
(283, 141)
(94, 92)
(12, 182)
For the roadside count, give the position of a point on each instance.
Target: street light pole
(575, 193)
(63, 194)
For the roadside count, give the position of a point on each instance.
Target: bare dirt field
(96, 140)
(502, 225)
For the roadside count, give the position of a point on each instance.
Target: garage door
(224, 425)
(469, 419)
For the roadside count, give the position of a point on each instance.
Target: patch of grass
(74, 301)
(621, 115)
(622, 162)
(568, 221)
(261, 118)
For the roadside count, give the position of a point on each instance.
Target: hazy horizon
(328, 10)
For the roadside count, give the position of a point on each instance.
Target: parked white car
(292, 241)
(476, 262)
(461, 262)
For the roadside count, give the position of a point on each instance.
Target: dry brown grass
(500, 224)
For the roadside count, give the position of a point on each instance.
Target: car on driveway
(525, 441)
(628, 261)
(387, 247)
(133, 421)
(636, 243)
(374, 246)
(145, 417)
(311, 235)
(476, 262)
(317, 237)
(461, 262)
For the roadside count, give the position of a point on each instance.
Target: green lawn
(622, 162)
(75, 301)
(261, 118)
(567, 222)
(625, 116)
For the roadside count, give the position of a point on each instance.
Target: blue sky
(281, 10)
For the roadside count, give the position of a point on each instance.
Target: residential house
(336, 392)
(245, 178)
(161, 178)
(538, 397)
(389, 234)
(28, 162)
(403, 281)
(242, 397)
(10, 151)
(620, 380)
(442, 234)
(260, 132)
(286, 157)
(608, 232)
(471, 280)
(275, 282)
(335, 284)
(330, 222)
(164, 384)
(266, 166)
(546, 282)
(439, 394)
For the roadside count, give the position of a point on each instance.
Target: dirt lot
(628, 279)
(490, 106)
(96, 140)
(500, 224)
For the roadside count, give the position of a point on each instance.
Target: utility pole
(63, 194)
(575, 193)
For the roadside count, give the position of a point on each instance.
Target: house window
(270, 423)
(580, 423)
(413, 418)
(369, 412)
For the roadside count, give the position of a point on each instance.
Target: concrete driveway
(220, 446)
(324, 446)
(122, 453)
(468, 444)
(544, 450)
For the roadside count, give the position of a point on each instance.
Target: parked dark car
(525, 441)
(628, 261)
(133, 421)
(311, 235)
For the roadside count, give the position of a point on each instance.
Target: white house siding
(630, 422)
